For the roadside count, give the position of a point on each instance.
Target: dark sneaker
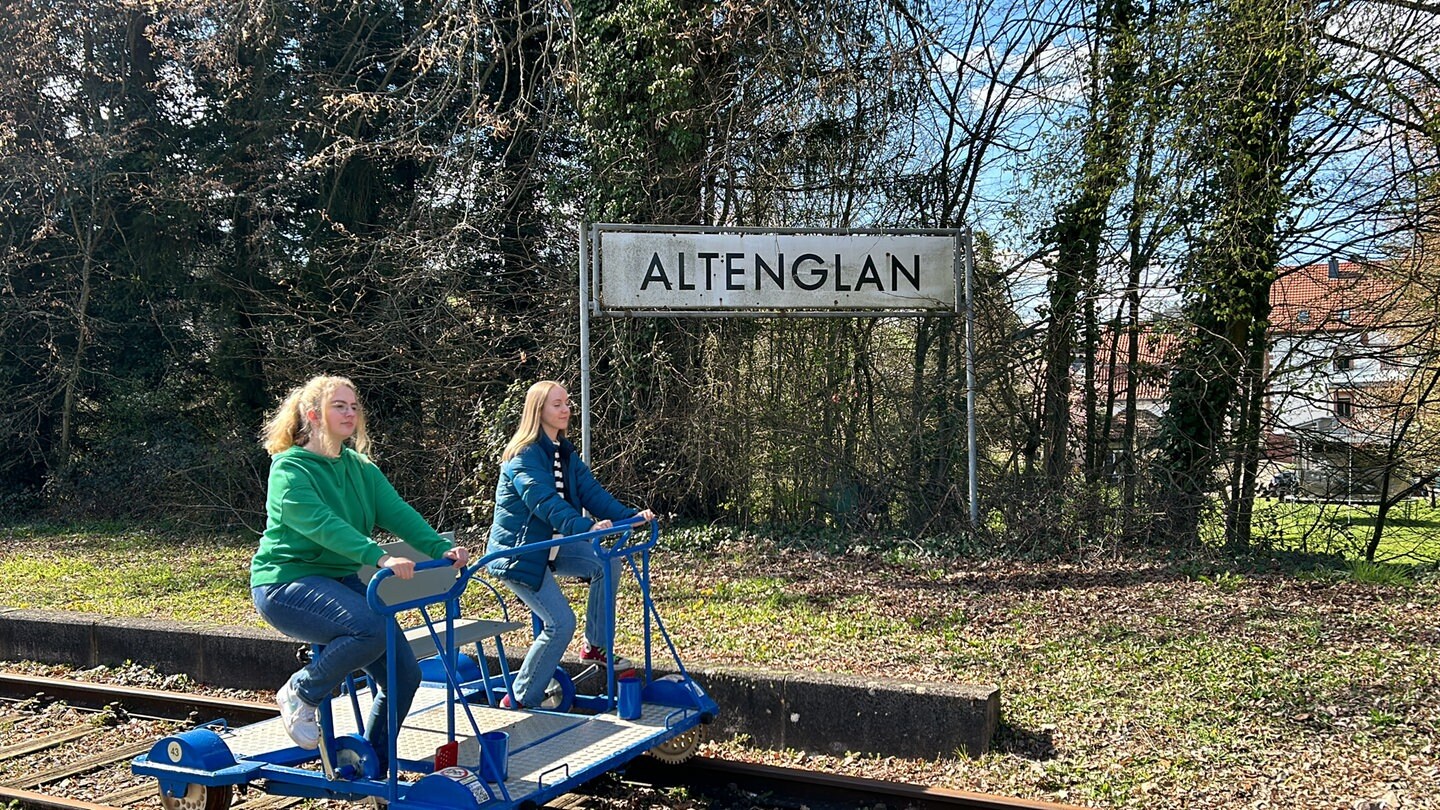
(597, 655)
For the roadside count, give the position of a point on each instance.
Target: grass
(1380, 573)
(128, 572)
(1143, 684)
(1411, 535)
(1172, 708)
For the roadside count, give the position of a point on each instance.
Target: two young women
(325, 499)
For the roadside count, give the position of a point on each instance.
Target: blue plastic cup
(495, 756)
(628, 697)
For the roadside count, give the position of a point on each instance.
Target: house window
(1344, 362)
(1344, 406)
(1303, 316)
(1343, 315)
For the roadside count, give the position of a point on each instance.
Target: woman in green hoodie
(324, 501)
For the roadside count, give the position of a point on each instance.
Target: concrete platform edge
(828, 714)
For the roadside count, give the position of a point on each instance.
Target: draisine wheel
(560, 694)
(199, 797)
(355, 758)
(679, 748)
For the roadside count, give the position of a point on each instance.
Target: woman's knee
(561, 626)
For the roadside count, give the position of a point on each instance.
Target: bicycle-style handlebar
(623, 547)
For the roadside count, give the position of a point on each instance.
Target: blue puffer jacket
(528, 509)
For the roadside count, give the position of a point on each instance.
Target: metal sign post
(584, 347)
(970, 463)
(662, 271)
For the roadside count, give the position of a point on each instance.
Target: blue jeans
(333, 612)
(576, 559)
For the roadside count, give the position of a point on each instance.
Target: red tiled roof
(1155, 348)
(1305, 298)
(1152, 385)
(1151, 371)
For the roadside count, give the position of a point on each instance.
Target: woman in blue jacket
(543, 492)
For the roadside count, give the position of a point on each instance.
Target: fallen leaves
(1132, 684)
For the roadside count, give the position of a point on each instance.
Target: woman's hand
(460, 554)
(600, 525)
(403, 567)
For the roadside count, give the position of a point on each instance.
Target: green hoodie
(320, 513)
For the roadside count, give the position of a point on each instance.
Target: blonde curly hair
(290, 424)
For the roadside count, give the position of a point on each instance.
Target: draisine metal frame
(469, 750)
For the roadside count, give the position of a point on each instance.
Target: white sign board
(670, 271)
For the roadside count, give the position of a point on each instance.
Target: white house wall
(1304, 378)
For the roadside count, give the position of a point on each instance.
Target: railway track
(53, 787)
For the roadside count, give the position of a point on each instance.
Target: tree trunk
(1077, 233)
(1392, 460)
(86, 232)
(1248, 441)
(1262, 73)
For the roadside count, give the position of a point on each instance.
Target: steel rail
(135, 700)
(860, 791)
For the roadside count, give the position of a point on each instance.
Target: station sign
(655, 270)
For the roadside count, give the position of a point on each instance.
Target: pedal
(326, 761)
(584, 673)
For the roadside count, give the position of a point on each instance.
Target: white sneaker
(298, 718)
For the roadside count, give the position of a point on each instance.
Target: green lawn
(128, 571)
(1411, 536)
(135, 572)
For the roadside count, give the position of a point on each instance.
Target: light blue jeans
(576, 559)
(333, 612)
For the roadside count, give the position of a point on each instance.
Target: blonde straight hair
(288, 426)
(529, 429)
